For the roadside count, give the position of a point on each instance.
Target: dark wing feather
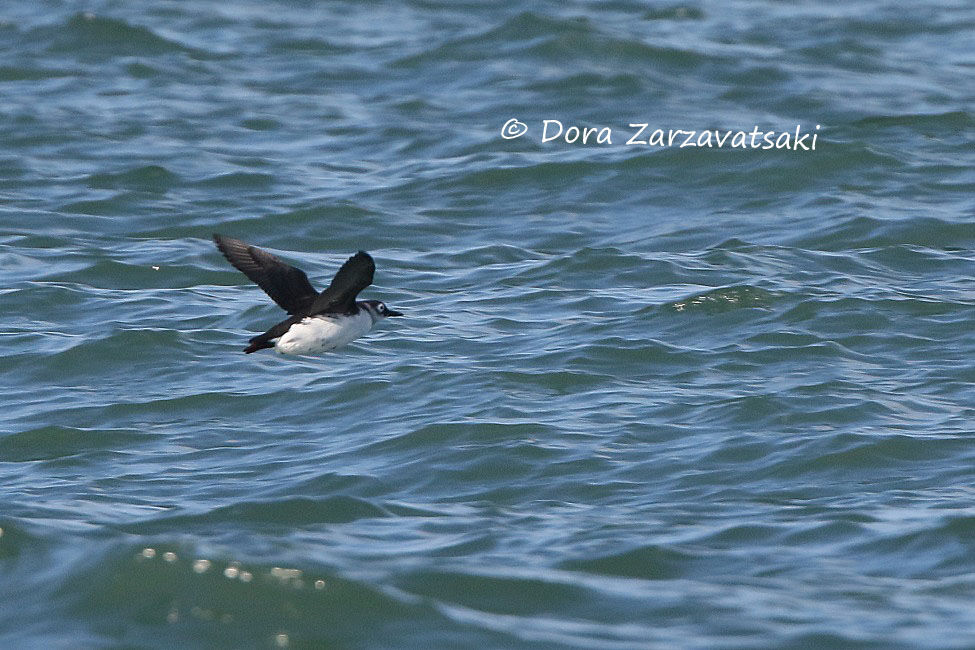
(287, 286)
(354, 276)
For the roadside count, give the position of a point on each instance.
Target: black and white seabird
(318, 322)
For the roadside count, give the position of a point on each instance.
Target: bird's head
(378, 310)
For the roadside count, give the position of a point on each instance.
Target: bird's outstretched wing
(287, 286)
(354, 276)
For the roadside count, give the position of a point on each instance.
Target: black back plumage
(290, 289)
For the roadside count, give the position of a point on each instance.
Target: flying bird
(317, 322)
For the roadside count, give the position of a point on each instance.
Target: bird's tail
(265, 340)
(256, 344)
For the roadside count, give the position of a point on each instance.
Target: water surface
(642, 396)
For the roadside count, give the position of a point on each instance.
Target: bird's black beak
(393, 312)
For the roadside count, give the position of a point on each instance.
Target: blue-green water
(643, 396)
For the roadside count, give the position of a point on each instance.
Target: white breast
(317, 334)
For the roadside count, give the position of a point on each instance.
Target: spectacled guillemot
(319, 322)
